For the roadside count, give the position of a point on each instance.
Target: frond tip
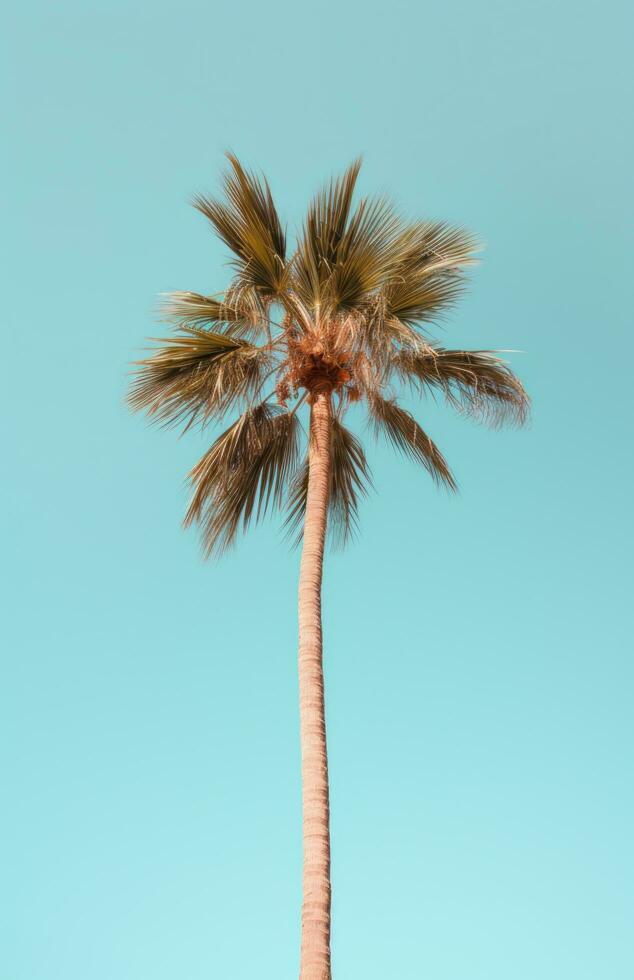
(477, 382)
(248, 223)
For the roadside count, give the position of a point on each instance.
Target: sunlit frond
(368, 256)
(477, 382)
(240, 312)
(435, 245)
(423, 298)
(429, 277)
(349, 479)
(248, 223)
(380, 336)
(245, 471)
(319, 245)
(344, 254)
(406, 435)
(196, 375)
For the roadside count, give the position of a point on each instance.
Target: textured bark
(315, 943)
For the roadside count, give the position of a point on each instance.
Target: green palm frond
(435, 245)
(476, 382)
(429, 277)
(406, 435)
(350, 479)
(423, 298)
(344, 254)
(240, 312)
(368, 257)
(247, 221)
(246, 470)
(196, 375)
(325, 225)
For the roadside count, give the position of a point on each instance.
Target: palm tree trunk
(315, 944)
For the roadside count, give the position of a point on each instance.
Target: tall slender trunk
(315, 945)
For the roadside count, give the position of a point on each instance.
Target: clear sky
(479, 680)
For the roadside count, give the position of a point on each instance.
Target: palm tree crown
(347, 314)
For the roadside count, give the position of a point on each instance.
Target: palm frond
(381, 336)
(429, 277)
(244, 472)
(247, 221)
(406, 435)
(344, 254)
(297, 497)
(414, 299)
(435, 245)
(323, 232)
(368, 256)
(349, 479)
(240, 312)
(196, 375)
(476, 382)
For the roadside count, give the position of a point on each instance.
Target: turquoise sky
(479, 681)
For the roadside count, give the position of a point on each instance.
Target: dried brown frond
(247, 221)
(476, 382)
(196, 375)
(349, 479)
(406, 435)
(245, 471)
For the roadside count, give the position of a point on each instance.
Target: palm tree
(340, 320)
